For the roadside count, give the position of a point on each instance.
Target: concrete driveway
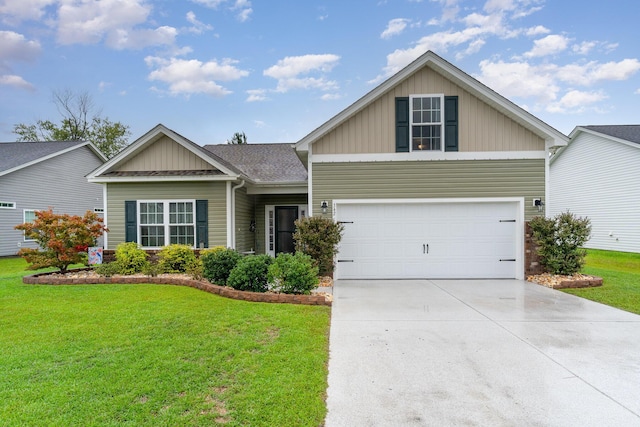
(479, 353)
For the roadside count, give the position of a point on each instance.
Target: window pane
(182, 234)
(417, 103)
(29, 216)
(152, 235)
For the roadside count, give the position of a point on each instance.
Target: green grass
(621, 279)
(154, 355)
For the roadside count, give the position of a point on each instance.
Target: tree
(238, 138)
(63, 238)
(79, 123)
(318, 237)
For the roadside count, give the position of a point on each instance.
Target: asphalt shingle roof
(629, 133)
(15, 154)
(263, 163)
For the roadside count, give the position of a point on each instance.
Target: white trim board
(429, 156)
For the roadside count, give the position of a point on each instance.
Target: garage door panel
(430, 240)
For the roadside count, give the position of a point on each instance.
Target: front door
(285, 227)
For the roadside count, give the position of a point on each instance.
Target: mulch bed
(557, 281)
(88, 276)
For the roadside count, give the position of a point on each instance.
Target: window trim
(441, 123)
(24, 220)
(7, 205)
(166, 220)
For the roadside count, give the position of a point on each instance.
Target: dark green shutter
(402, 125)
(202, 223)
(450, 123)
(130, 221)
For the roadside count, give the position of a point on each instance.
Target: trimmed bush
(217, 264)
(293, 274)
(131, 258)
(250, 274)
(318, 237)
(560, 240)
(108, 269)
(176, 258)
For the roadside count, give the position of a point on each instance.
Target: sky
(278, 69)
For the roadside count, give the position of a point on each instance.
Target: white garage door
(428, 240)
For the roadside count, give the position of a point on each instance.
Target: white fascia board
(47, 157)
(122, 179)
(428, 156)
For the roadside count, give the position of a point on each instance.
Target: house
(432, 174)
(40, 175)
(597, 175)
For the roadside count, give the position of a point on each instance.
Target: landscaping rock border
(563, 282)
(56, 278)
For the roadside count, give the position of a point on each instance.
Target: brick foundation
(52, 279)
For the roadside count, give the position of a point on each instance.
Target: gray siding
(436, 179)
(215, 192)
(600, 179)
(58, 183)
(276, 200)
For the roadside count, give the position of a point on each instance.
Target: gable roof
(629, 133)
(263, 163)
(18, 155)
(108, 171)
(553, 137)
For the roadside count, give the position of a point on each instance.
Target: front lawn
(149, 355)
(621, 274)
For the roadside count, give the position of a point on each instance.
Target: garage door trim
(519, 215)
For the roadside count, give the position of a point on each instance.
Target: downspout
(233, 212)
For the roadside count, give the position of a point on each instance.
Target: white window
(426, 122)
(166, 222)
(7, 205)
(28, 215)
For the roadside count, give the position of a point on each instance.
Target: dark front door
(285, 226)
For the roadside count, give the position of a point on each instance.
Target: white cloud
(16, 81)
(117, 21)
(256, 95)
(241, 7)
(187, 77)
(537, 30)
(592, 72)
(288, 70)
(394, 27)
(548, 45)
(576, 101)
(507, 79)
(15, 47)
(637, 92)
(259, 123)
(15, 11)
(197, 27)
(330, 96)
(583, 48)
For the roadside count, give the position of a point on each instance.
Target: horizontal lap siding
(600, 179)
(436, 179)
(245, 212)
(215, 192)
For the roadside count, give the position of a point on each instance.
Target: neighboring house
(40, 175)
(432, 173)
(598, 176)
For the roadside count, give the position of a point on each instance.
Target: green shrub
(560, 240)
(176, 258)
(293, 274)
(318, 237)
(108, 269)
(131, 258)
(195, 269)
(250, 274)
(217, 264)
(153, 269)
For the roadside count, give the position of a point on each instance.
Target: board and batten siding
(163, 155)
(600, 179)
(481, 127)
(58, 183)
(214, 192)
(434, 179)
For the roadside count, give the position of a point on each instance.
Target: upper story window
(426, 122)
(28, 215)
(7, 205)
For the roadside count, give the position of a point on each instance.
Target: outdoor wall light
(324, 205)
(538, 203)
